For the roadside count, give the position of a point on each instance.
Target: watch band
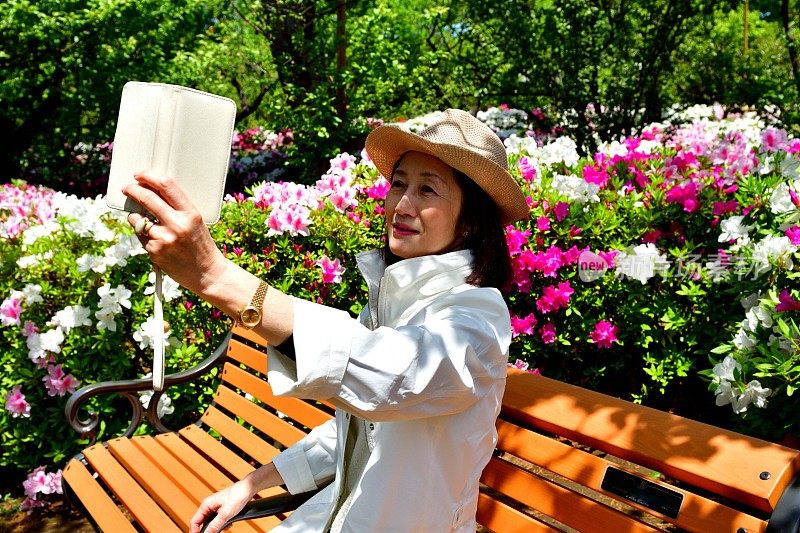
(250, 315)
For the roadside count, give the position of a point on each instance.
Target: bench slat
(294, 408)
(697, 512)
(271, 424)
(210, 449)
(128, 491)
(155, 479)
(250, 335)
(498, 516)
(239, 436)
(247, 355)
(584, 514)
(193, 483)
(675, 446)
(100, 506)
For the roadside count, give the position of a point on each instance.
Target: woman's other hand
(226, 503)
(179, 243)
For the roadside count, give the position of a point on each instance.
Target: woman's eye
(396, 184)
(427, 189)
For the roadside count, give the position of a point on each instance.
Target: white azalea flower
(757, 315)
(755, 394)
(750, 300)
(88, 262)
(41, 343)
(517, 145)
(724, 394)
(790, 167)
(771, 249)
(780, 201)
(742, 340)
(575, 189)
(146, 334)
(734, 230)
(33, 260)
(164, 402)
(725, 370)
(562, 150)
(72, 316)
(170, 289)
(642, 263)
(32, 293)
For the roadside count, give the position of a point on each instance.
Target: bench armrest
(272, 505)
(129, 388)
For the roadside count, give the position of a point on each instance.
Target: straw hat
(463, 142)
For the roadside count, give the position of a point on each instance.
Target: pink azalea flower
(595, 175)
(38, 481)
(774, 139)
(550, 261)
(332, 270)
(548, 333)
(521, 276)
(29, 328)
(786, 302)
(793, 234)
(523, 365)
(604, 334)
(543, 223)
(16, 403)
(555, 297)
(10, 311)
(516, 239)
(523, 325)
(57, 383)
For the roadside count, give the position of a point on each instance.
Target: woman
(418, 379)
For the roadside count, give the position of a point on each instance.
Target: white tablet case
(177, 132)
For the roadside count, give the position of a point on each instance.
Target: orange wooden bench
(567, 459)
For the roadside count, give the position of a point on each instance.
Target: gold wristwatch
(250, 315)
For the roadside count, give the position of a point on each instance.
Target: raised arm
(181, 245)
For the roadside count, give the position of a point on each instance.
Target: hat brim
(387, 144)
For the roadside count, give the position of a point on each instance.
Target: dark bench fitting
(566, 456)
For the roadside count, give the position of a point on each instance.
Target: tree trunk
(341, 59)
(791, 45)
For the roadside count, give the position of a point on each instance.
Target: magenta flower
(548, 333)
(608, 257)
(10, 310)
(523, 325)
(550, 261)
(786, 302)
(16, 403)
(561, 210)
(526, 169)
(793, 234)
(29, 328)
(57, 383)
(723, 208)
(555, 297)
(332, 270)
(795, 199)
(543, 223)
(685, 195)
(604, 334)
(379, 189)
(516, 239)
(598, 176)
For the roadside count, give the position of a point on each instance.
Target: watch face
(250, 316)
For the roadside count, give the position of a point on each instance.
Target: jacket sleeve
(441, 364)
(310, 462)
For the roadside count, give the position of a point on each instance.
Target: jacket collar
(411, 279)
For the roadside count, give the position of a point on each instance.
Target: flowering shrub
(655, 269)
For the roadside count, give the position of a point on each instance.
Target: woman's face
(422, 206)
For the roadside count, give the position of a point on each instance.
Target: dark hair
(480, 230)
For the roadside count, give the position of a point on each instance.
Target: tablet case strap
(158, 340)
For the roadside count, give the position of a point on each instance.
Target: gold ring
(148, 225)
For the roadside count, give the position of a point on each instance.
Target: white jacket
(425, 367)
